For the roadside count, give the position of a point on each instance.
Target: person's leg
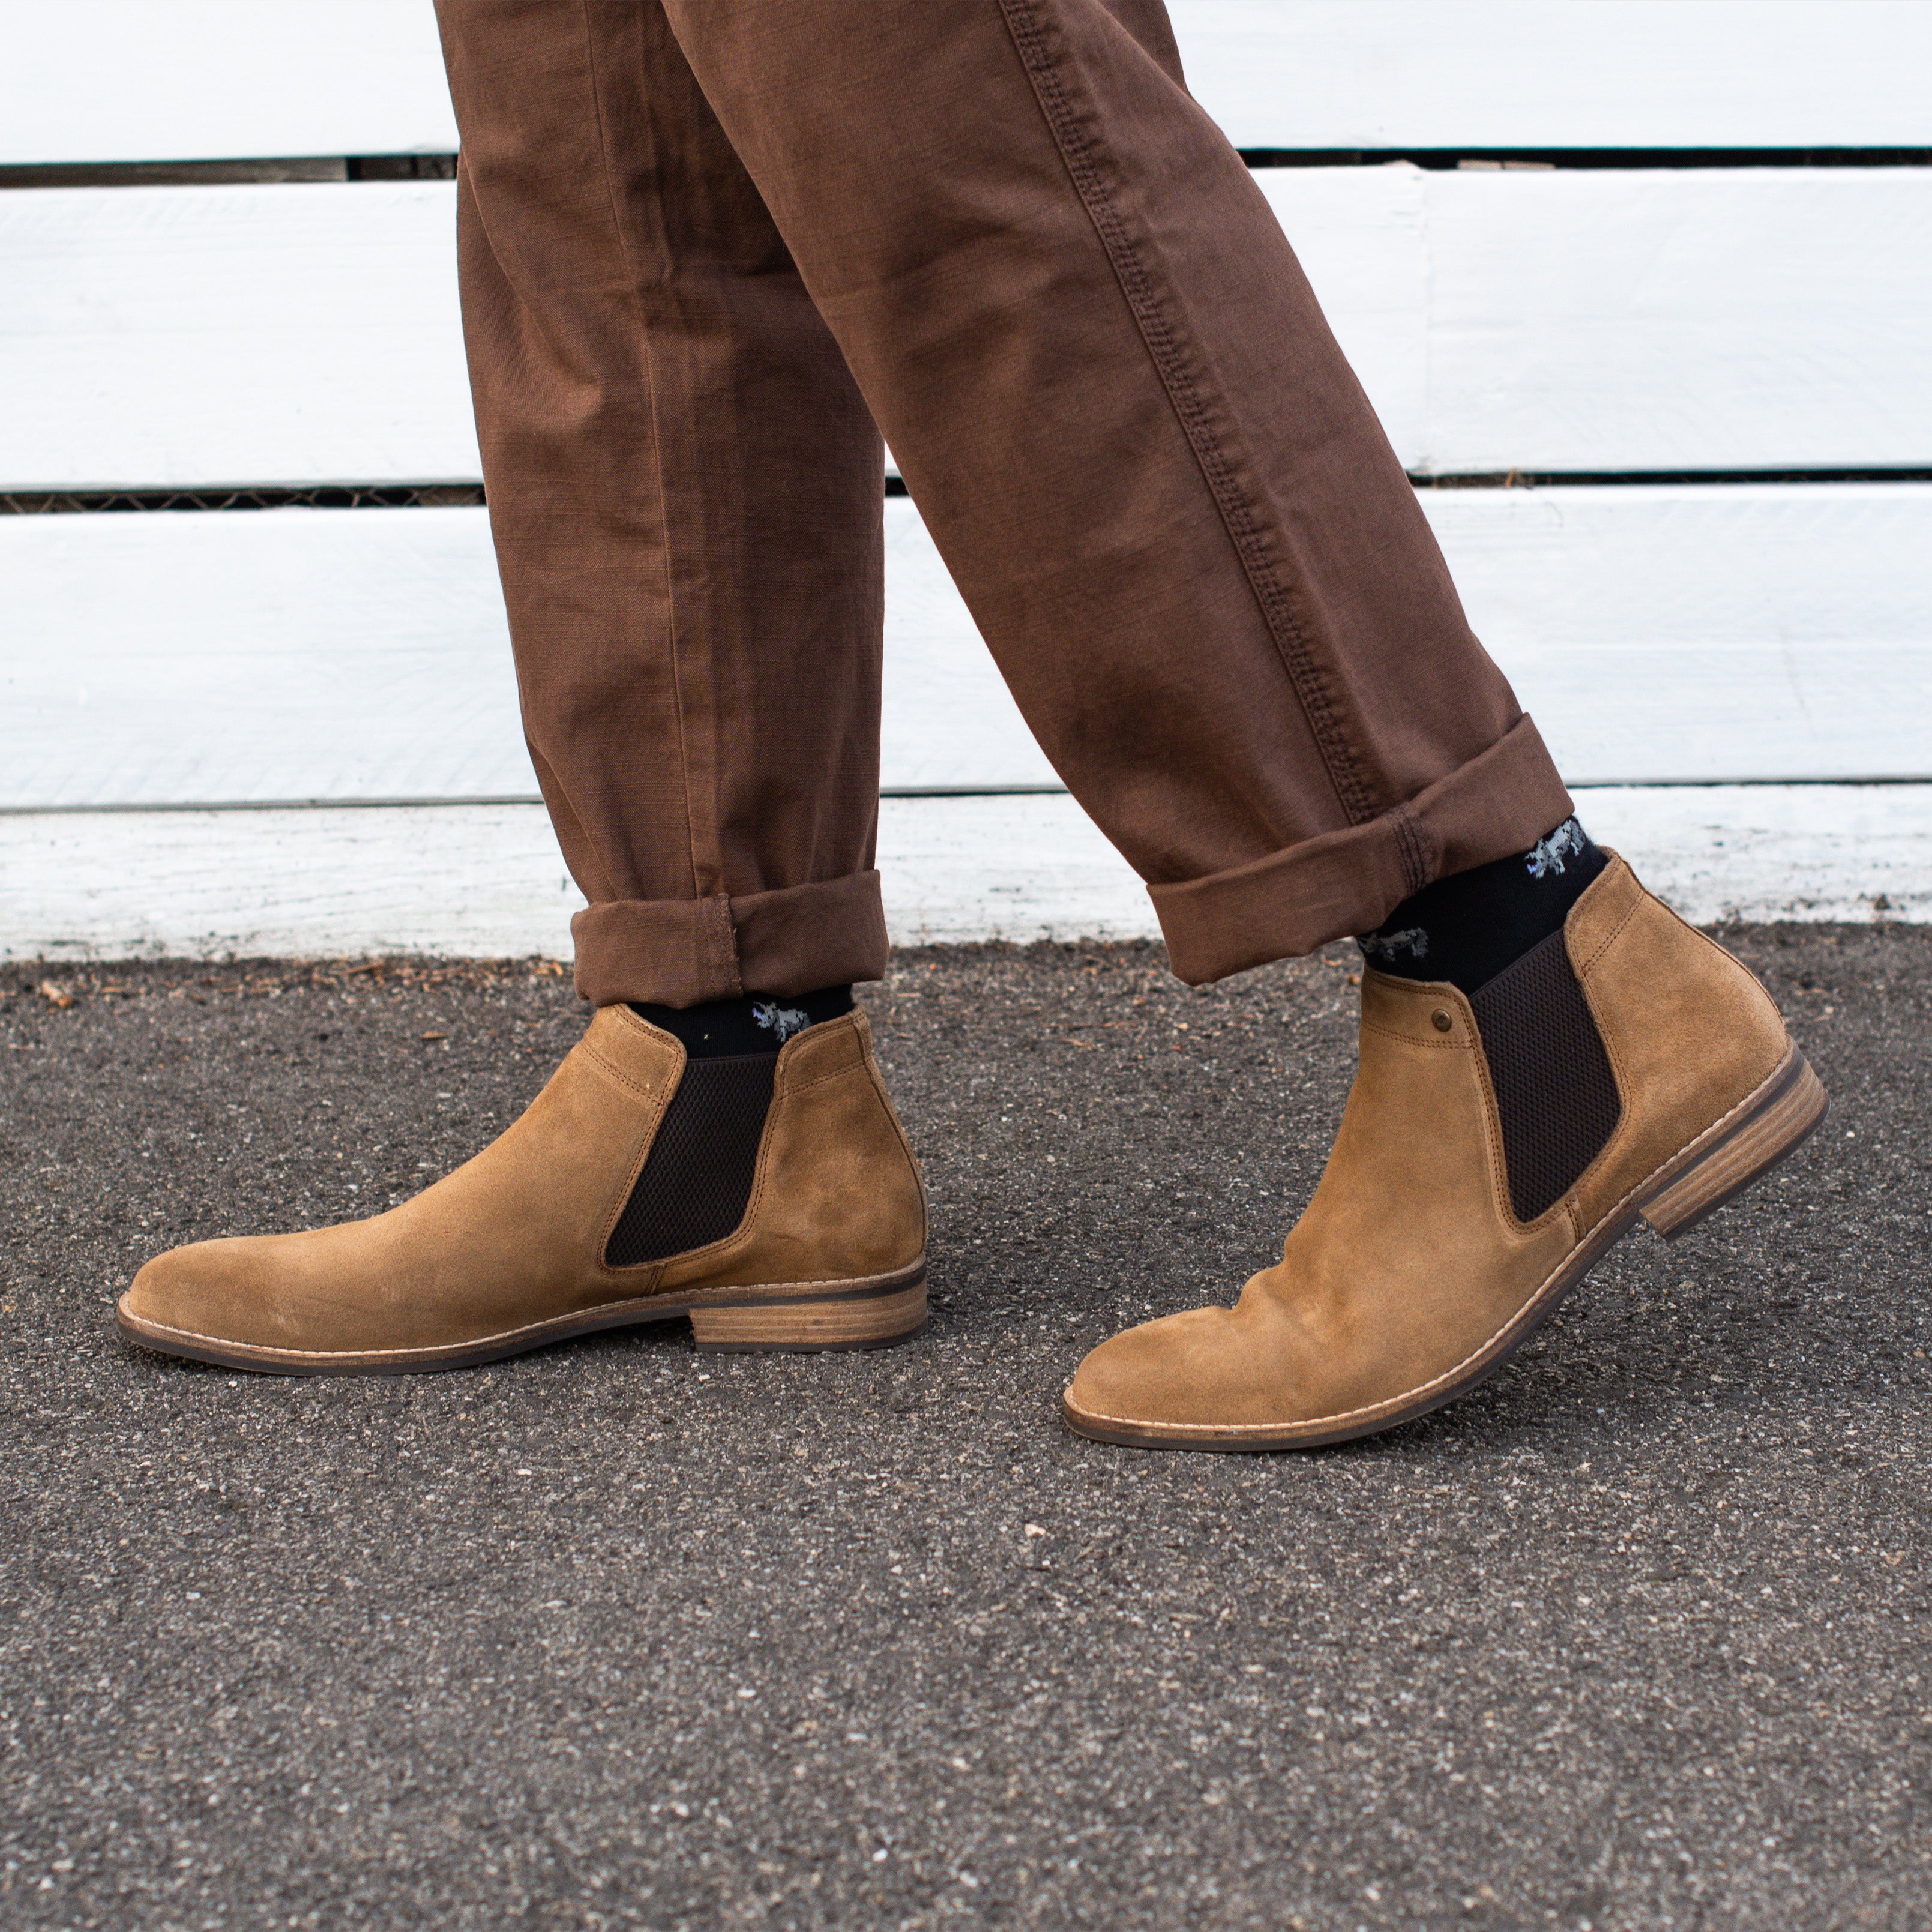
(1203, 574)
(1172, 511)
(685, 490)
(1150, 469)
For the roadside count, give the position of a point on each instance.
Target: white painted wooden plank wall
(485, 881)
(91, 80)
(1661, 635)
(1560, 73)
(94, 80)
(1574, 320)
(1618, 320)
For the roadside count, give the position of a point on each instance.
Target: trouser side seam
(1236, 514)
(697, 880)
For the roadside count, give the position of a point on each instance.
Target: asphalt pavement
(618, 1635)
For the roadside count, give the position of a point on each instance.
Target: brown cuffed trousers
(709, 249)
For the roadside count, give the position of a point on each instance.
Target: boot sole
(808, 1318)
(1772, 1121)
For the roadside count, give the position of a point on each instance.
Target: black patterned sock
(1467, 928)
(755, 1023)
(1496, 932)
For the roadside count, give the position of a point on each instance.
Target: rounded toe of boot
(1202, 1378)
(201, 1296)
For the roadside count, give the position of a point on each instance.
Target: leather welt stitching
(1450, 1044)
(818, 1079)
(617, 1073)
(413, 1348)
(1612, 936)
(1482, 1348)
(1236, 515)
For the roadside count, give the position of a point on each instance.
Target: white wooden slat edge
(357, 654)
(303, 333)
(1657, 633)
(111, 80)
(1673, 632)
(1721, 319)
(1560, 73)
(485, 881)
(125, 80)
(1594, 321)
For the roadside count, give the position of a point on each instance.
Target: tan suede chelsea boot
(564, 1225)
(1474, 1182)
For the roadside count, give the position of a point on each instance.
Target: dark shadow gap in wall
(321, 497)
(443, 166)
(205, 174)
(471, 496)
(1558, 479)
(1441, 159)
(1861, 780)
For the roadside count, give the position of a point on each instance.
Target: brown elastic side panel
(1555, 1090)
(698, 1176)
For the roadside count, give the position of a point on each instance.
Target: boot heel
(1787, 1108)
(870, 1318)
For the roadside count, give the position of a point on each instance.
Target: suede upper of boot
(517, 1236)
(1689, 1031)
(1408, 1266)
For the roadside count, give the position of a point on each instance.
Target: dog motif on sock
(1547, 855)
(783, 1020)
(1389, 945)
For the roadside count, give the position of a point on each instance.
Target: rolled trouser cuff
(677, 953)
(1349, 881)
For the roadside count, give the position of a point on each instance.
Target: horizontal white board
(127, 80)
(1766, 318)
(1561, 73)
(1588, 321)
(1756, 631)
(303, 334)
(334, 655)
(1658, 634)
(485, 881)
(105, 80)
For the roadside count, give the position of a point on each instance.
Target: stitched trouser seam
(606, 164)
(1243, 531)
(1412, 846)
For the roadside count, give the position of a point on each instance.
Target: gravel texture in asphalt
(617, 1634)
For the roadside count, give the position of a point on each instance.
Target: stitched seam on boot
(1236, 516)
(1609, 939)
(370, 1354)
(1498, 1163)
(634, 1170)
(1410, 1039)
(817, 1079)
(617, 1073)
